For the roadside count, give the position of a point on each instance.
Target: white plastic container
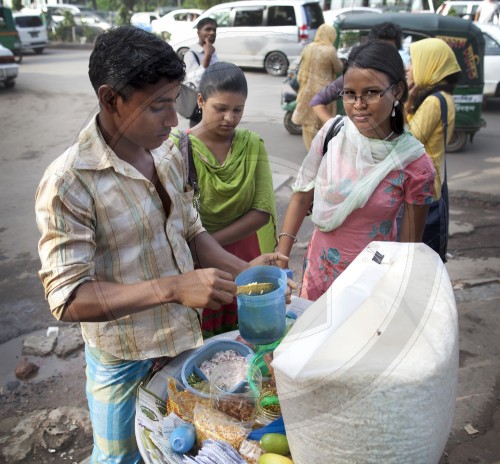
(368, 373)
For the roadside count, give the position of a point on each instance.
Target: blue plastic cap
(182, 438)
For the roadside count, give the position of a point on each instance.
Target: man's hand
(208, 48)
(205, 288)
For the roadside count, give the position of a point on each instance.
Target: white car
(175, 21)
(8, 68)
(340, 13)
(491, 34)
(266, 34)
(143, 20)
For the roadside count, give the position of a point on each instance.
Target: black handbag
(187, 102)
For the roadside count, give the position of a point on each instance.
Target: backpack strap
(186, 149)
(196, 57)
(333, 130)
(444, 120)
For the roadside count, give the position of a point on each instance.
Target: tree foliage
(151, 5)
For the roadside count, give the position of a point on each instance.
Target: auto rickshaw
(9, 37)
(464, 38)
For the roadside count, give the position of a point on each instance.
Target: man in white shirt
(200, 56)
(488, 12)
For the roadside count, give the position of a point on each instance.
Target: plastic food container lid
(193, 363)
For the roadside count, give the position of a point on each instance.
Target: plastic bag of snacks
(239, 402)
(214, 425)
(181, 401)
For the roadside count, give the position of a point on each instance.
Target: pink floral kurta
(329, 253)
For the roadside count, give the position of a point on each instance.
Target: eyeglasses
(372, 96)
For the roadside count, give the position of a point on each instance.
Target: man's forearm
(104, 301)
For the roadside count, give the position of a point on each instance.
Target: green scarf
(242, 183)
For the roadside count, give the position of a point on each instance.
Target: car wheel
(457, 142)
(291, 127)
(181, 52)
(276, 64)
(38, 51)
(10, 84)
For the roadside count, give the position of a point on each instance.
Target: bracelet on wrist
(285, 234)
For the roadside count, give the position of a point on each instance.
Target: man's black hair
(387, 31)
(204, 21)
(128, 58)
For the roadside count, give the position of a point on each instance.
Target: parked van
(9, 37)
(32, 31)
(258, 33)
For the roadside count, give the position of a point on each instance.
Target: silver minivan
(259, 33)
(32, 32)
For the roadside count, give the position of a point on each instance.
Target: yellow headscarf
(432, 60)
(325, 35)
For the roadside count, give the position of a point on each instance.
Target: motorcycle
(289, 100)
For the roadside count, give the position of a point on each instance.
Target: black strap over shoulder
(444, 114)
(186, 149)
(444, 120)
(333, 131)
(195, 56)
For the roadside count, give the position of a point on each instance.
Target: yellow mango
(273, 458)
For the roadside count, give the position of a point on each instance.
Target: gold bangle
(286, 234)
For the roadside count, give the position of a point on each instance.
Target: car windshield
(28, 21)
(314, 15)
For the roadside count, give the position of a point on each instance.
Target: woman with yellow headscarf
(432, 76)
(319, 65)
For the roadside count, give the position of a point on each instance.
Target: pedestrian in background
(432, 76)
(200, 56)
(236, 201)
(370, 169)
(319, 65)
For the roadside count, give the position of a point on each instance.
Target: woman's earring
(396, 103)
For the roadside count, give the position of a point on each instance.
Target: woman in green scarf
(236, 203)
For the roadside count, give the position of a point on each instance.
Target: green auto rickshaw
(464, 38)
(9, 37)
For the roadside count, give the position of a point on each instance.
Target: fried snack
(182, 402)
(215, 425)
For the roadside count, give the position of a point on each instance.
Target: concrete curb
(73, 45)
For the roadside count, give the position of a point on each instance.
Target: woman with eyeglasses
(371, 167)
